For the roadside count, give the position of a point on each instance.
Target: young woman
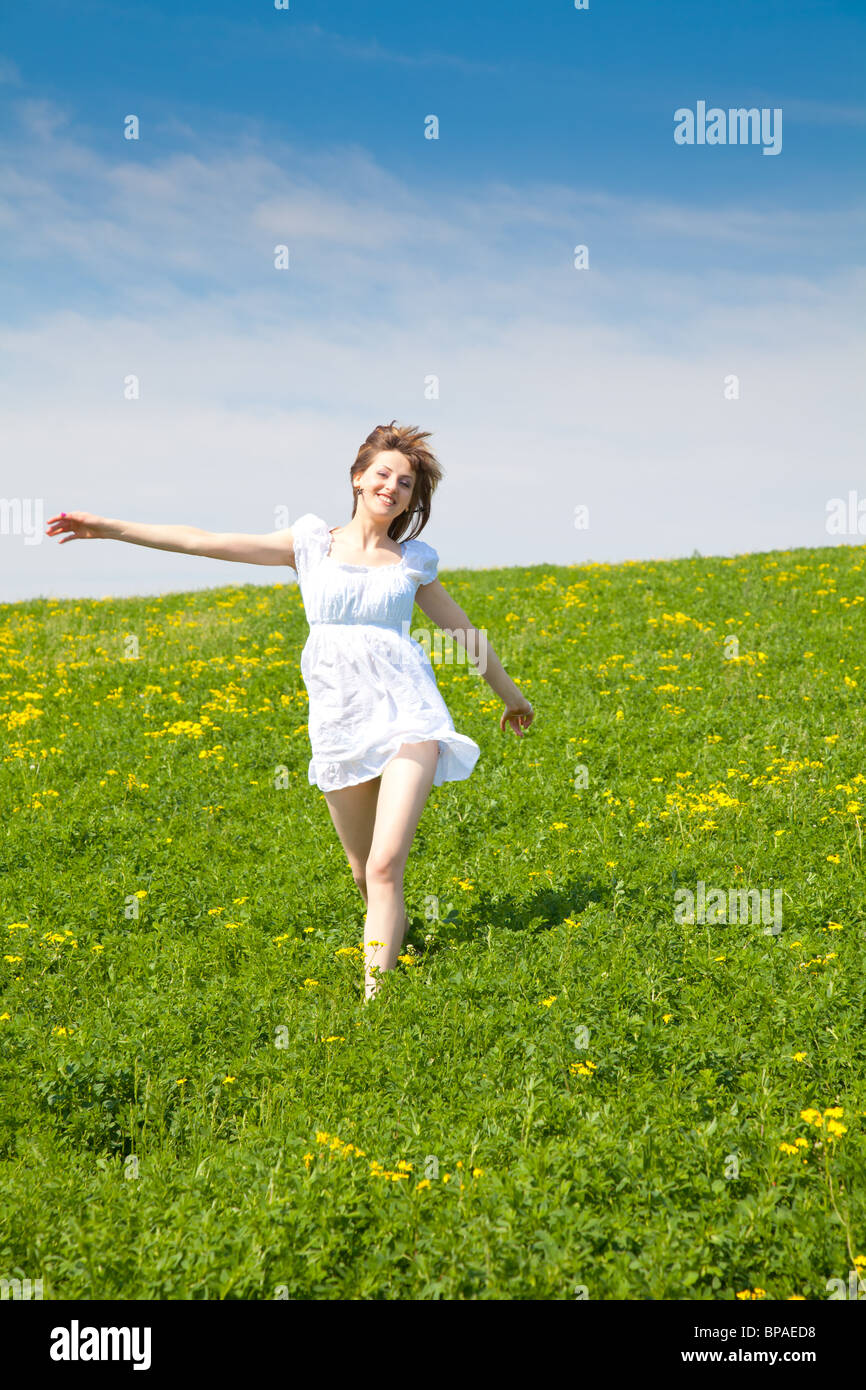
(380, 732)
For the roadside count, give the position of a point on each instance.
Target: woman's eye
(407, 482)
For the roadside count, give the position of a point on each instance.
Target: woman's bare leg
(404, 786)
(353, 811)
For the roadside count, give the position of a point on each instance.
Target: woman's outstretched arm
(434, 600)
(275, 548)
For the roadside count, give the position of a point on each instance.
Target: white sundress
(370, 683)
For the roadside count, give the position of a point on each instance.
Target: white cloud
(371, 51)
(825, 112)
(558, 387)
(9, 73)
(41, 118)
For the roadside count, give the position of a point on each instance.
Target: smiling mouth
(389, 501)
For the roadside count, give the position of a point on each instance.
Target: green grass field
(564, 1090)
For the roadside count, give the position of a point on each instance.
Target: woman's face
(388, 484)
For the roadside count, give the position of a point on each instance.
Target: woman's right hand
(82, 526)
(517, 715)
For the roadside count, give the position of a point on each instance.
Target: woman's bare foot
(371, 987)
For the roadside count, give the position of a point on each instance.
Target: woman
(380, 732)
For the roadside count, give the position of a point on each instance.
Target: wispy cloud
(371, 51)
(213, 215)
(257, 386)
(287, 35)
(41, 118)
(824, 112)
(9, 73)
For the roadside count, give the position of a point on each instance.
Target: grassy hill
(576, 1084)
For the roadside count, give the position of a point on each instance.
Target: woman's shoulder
(308, 524)
(422, 561)
(310, 540)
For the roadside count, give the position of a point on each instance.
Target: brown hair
(428, 472)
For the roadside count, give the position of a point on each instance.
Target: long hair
(427, 469)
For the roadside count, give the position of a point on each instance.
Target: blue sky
(534, 89)
(412, 257)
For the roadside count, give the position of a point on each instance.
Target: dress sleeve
(310, 541)
(422, 561)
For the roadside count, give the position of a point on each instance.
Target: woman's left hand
(519, 714)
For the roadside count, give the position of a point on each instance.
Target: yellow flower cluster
(57, 939)
(700, 803)
(404, 1169)
(817, 960)
(399, 1174)
(750, 658)
(179, 727)
(832, 1129)
(795, 1147)
(15, 718)
(336, 1145)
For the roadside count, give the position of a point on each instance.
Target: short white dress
(370, 683)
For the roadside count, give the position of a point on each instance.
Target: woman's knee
(385, 867)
